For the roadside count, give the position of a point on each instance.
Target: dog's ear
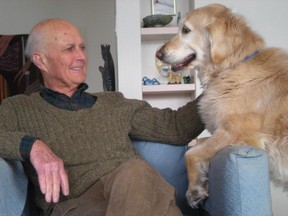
(224, 39)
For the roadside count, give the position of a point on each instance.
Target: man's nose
(81, 54)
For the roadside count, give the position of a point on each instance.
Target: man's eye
(83, 47)
(70, 48)
(185, 29)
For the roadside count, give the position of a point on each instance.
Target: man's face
(65, 59)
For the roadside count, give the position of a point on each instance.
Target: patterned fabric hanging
(19, 75)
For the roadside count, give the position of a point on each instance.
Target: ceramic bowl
(157, 20)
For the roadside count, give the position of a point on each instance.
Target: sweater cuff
(26, 146)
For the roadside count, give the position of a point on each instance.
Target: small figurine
(174, 78)
(178, 17)
(186, 79)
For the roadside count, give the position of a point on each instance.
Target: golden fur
(245, 85)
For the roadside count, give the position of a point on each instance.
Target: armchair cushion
(168, 160)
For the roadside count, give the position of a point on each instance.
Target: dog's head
(211, 35)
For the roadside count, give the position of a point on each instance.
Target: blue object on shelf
(155, 81)
(147, 81)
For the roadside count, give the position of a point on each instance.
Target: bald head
(45, 33)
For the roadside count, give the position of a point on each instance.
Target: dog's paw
(197, 141)
(196, 195)
(192, 143)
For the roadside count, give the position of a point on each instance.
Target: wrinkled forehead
(61, 32)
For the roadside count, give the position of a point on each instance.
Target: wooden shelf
(169, 88)
(158, 33)
(159, 30)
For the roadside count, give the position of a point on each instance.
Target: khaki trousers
(133, 189)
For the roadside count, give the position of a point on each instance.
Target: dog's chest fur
(233, 92)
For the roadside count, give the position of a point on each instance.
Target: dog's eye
(185, 29)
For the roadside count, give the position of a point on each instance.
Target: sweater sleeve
(167, 125)
(10, 136)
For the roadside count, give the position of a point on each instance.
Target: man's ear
(39, 60)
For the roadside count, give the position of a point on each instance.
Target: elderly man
(76, 146)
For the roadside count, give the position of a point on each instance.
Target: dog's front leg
(197, 162)
(197, 175)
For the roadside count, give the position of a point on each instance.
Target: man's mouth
(77, 68)
(179, 66)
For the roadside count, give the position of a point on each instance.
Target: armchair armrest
(239, 183)
(13, 187)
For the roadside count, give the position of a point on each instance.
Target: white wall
(95, 19)
(269, 19)
(129, 44)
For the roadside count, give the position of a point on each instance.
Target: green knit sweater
(94, 141)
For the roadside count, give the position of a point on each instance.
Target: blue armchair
(238, 180)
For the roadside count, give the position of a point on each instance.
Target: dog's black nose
(159, 54)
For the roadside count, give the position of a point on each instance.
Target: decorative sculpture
(108, 71)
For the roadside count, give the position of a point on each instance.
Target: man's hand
(51, 173)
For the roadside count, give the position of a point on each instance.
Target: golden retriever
(245, 99)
